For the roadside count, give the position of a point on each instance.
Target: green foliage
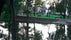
(5, 15)
(60, 7)
(38, 2)
(69, 6)
(17, 5)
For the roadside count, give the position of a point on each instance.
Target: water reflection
(46, 31)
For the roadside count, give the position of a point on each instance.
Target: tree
(61, 7)
(69, 7)
(38, 2)
(2, 2)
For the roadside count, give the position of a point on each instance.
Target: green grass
(45, 16)
(50, 16)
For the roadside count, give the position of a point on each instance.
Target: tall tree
(61, 7)
(69, 7)
(2, 2)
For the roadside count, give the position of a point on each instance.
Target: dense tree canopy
(60, 7)
(2, 2)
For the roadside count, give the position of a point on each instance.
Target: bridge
(42, 20)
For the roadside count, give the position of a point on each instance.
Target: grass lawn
(51, 16)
